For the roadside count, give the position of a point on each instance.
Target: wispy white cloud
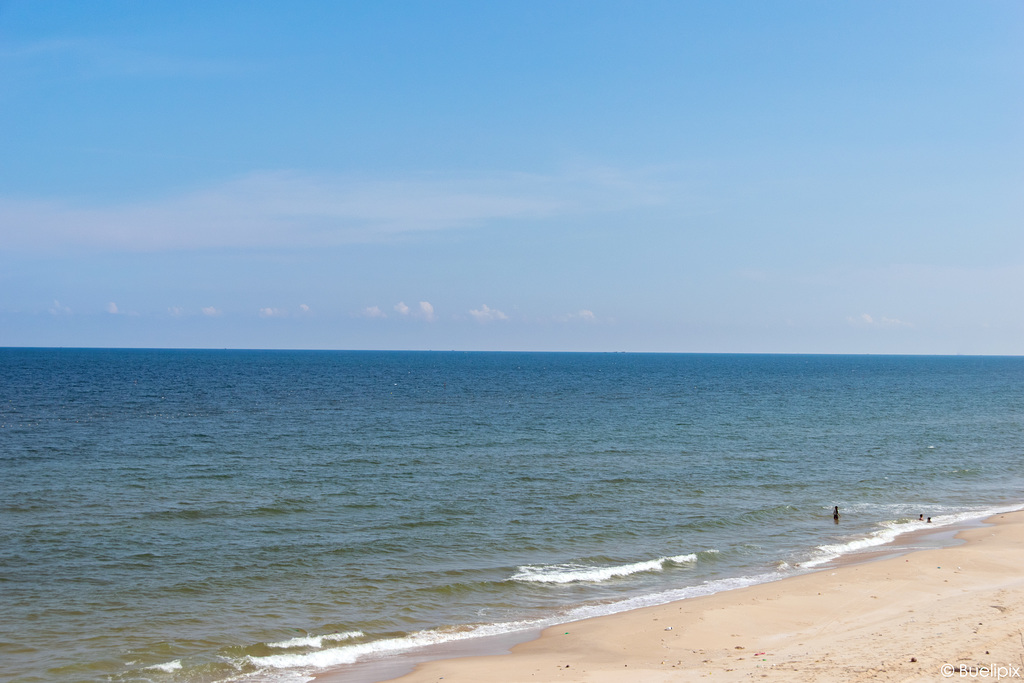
(583, 314)
(113, 309)
(59, 309)
(269, 312)
(373, 312)
(427, 311)
(91, 58)
(211, 311)
(868, 320)
(424, 310)
(294, 210)
(176, 311)
(486, 314)
(304, 308)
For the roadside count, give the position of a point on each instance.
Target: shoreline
(862, 617)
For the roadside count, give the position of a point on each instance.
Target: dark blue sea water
(261, 516)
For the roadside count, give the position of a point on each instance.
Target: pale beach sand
(896, 619)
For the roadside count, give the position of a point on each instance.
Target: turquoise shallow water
(259, 516)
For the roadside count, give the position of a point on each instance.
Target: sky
(842, 176)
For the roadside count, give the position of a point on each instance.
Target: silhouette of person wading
(835, 514)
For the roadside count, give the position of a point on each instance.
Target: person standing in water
(835, 514)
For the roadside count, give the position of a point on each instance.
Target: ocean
(264, 516)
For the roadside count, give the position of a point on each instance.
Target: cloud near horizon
(486, 314)
(582, 314)
(866, 319)
(59, 309)
(425, 311)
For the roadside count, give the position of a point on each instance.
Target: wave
(315, 641)
(350, 654)
(893, 529)
(566, 573)
(582, 573)
(166, 667)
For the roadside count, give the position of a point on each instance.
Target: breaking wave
(574, 572)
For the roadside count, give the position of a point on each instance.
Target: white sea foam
(573, 572)
(315, 641)
(349, 654)
(166, 667)
(891, 530)
(660, 598)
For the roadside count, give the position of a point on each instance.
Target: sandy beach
(929, 615)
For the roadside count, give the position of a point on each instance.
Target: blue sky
(823, 177)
